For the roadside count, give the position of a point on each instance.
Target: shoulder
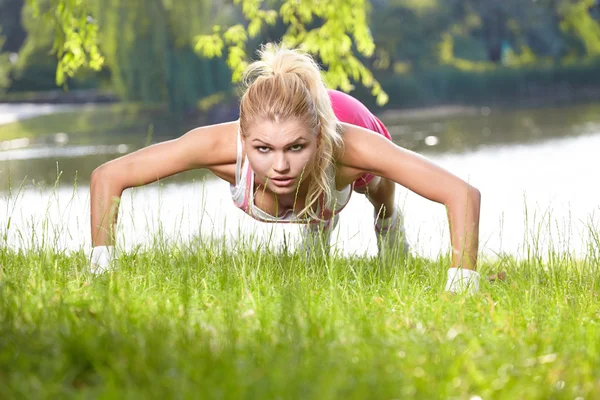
(361, 152)
(360, 138)
(222, 133)
(214, 144)
(371, 151)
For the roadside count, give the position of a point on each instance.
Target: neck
(293, 201)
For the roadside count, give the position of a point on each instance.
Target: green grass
(196, 320)
(121, 117)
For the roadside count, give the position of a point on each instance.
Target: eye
(262, 149)
(296, 147)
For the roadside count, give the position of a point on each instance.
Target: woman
(296, 154)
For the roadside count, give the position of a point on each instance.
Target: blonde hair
(287, 84)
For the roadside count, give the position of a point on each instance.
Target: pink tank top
(351, 111)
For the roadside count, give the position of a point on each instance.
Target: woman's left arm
(370, 152)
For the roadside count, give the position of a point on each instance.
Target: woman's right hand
(101, 258)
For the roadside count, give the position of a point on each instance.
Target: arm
(207, 147)
(366, 151)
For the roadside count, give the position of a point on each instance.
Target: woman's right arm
(205, 147)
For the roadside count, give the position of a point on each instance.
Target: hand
(462, 280)
(101, 258)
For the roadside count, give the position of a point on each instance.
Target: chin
(283, 190)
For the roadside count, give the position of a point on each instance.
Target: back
(349, 110)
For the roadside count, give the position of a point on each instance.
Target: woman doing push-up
(296, 155)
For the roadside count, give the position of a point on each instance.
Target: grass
(198, 320)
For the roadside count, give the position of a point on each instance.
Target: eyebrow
(299, 138)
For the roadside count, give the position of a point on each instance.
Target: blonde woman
(296, 154)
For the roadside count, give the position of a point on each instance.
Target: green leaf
(338, 33)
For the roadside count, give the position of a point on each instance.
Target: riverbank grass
(203, 321)
(99, 118)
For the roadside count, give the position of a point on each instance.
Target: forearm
(463, 216)
(105, 193)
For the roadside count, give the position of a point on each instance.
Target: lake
(537, 170)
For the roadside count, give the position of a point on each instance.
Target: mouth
(282, 181)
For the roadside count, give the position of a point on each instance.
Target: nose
(280, 163)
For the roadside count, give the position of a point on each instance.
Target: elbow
(99, 175)
(105, 177)
(473, 199)
(96, 174)
(474, 196)
(459, 199)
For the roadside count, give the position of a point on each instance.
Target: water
(536, 169)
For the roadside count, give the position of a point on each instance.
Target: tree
(412, 35)
(335, 31)
(11, 38)
(525, 30)
(11, 24)
(147, 45)
(5, 66)
(577, 18)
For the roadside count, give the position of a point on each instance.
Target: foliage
(180, 52)
(149, 55)
(342, 28)
(499, 85)
(480, 35)
(576, 19)
(5, 65)
(76, 42)
(343, 24)
(11, 25)
(34, 69)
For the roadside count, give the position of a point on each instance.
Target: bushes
(444, 85)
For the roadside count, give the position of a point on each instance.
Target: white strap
(462, 280)
(101, 258)
(238, 161)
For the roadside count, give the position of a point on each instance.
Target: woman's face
(282, 154)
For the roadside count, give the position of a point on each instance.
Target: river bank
(26, 105)
(14, 112)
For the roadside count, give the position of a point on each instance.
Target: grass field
(198, 320)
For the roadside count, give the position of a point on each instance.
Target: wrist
(462, 280)
(101, 258)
